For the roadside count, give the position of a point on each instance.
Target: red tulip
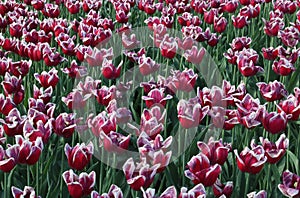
(109, 71)
(194, 55)
(273, 26)
(200, 170)
(6, 104)
(105, 94)
(283, 67)
(156, 96)
(13, 123)
(275, 151)
(239, 43)
(197, 192)
(114, 142)
(168, 47)
(215, 151)
(220, 24)
(27, 192)
(220, 189)
(75, 100)
(272, 91)
(8, 158)
(81, 185)
(230, 6)
(270, 53)
(290, 186)
(64, 125)
(75, 71)
(169, 192)
(140, 175)
(47, 79)
(155, 151)
(249, 112)
(251, 161)
(291, 106)
(29, 152)
(103, 122)
(274, 122)
(73, 6)
(210, 15)
(239, 21)
(151, 122)
(260, 194)
(97, 56)
(79, 155)
(147, 65)
(113, 192)
(38, 4)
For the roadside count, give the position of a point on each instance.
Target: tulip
(103, 122)
(270, 53)
(190, 114)
(290, 186)
(113, 192)
(97, 57)
(220, 24)
(185, 80)
(27, 192)
(64, 125)
(289, 36)
(42, 130)
(230, 6)
(155, 151)
(152, 122)
(123, 114)
(198, 191)
(140, 175)
(9, 157)
(45, 95)
(275, 151)
(51, 10)
(75, 71)
(105, 94)
(260, 194)
(272, 91)
(220, 189)
(251, 161)
(274, 122)
(283, 67)
(291, 106)
(129, 41)
(239, 43)
(169, 192)
(210, 15)
(13, 123)
(215, 151)
(109, 71)
(248, 68)
(81, 185)
(73, 7)
(200, 170)
(147, 65)
(29, 152)
(168, 47)
(194, 55)
(114, 142)
(6, 104)
(47, 79)
(186, 43)
(156, 96)
(239, 21)
(273, 26)
(80, 155)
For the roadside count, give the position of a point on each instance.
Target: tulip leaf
(294, 160)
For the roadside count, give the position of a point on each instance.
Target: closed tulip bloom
(79, 155)
(201, 171)
(147, 65)
(251, 161)
(109, 71)
(13, 123)
(274, 122)
(220, 24)
(290, 186)
(239, 21)
(79, 186)
(64, 125)
(270, 53)
(194, 55)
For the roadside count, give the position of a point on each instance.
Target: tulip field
(149, 98)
